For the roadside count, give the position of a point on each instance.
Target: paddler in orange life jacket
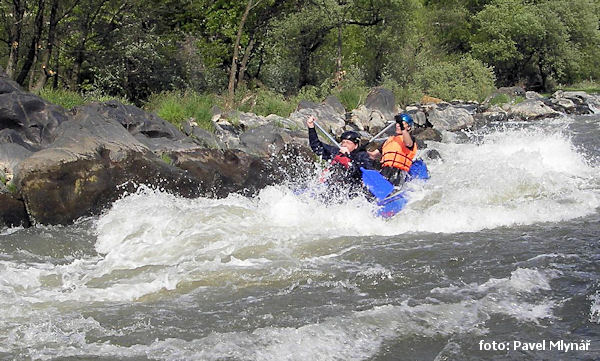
(398, 152)
(349, 158)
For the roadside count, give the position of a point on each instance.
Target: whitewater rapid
(60, 288)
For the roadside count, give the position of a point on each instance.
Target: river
(496, 257)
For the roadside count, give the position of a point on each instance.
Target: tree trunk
(244, 62)
(234, 60)
(338, 61)
(37, 34)
(47, 54)
(15, 30)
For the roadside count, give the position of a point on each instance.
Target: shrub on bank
(177, 107)
(465, 78)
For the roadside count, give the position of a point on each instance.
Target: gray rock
(11, 155)
(450, 118)
(533, 95)
(427, 134)
(91, 163)
(202, 137)
(532, 109)
(149, 129)
(567, 105)
(221, 172)
(383, 100)
(32, 118)
(418, 115)
(584, 103)
(335, 103)
(265, 141)
(284, 123)
(328, 118)
(8, 85)
(365, 119)
(492, 114)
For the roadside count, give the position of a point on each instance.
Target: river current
(496, 257)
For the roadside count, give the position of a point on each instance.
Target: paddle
(376, 183)
(380, 133)
(332, 139)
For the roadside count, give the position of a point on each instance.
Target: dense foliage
(137, 50)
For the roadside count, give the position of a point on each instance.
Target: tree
(236, 45)
(12, 16)
(535, 41)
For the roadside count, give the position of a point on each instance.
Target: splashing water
(283, 275)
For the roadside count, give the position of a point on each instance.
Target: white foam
(595, 308)
(509, 296)
(357, 335)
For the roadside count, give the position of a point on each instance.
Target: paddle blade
(376, 183)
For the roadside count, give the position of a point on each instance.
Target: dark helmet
(352, 136)
(404, 118)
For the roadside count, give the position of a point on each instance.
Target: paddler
(345, 160)
(398, 152)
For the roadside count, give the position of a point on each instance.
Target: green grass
(69, 99)
(353, 96)
(264, 102)
(501, 99)
(588, 86)
(177, 107)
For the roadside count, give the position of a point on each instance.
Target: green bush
(176, 107)
(310, 93)
(465, 78)
(403, 95)
(351, 97)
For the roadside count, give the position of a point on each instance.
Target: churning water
(496, 257)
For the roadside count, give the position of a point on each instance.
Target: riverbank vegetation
(180, 58)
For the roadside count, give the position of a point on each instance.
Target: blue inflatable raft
(389, 202)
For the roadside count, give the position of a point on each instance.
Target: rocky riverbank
(57, 165)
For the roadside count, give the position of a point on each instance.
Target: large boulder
(384, 101)
(531, 109)
(268, 140)
(90, 164)
(8, 85)
(332, 121)
(154, 132)
(29, 119)
(335, 103)
(366, 119)
(221, 172)
(449, 118)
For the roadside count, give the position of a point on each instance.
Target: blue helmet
(404, 117)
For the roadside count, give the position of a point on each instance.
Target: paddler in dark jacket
(346, 160)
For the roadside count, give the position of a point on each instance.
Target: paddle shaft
(380, 133)
(332, 139)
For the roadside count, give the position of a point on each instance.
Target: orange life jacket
(396, 154)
